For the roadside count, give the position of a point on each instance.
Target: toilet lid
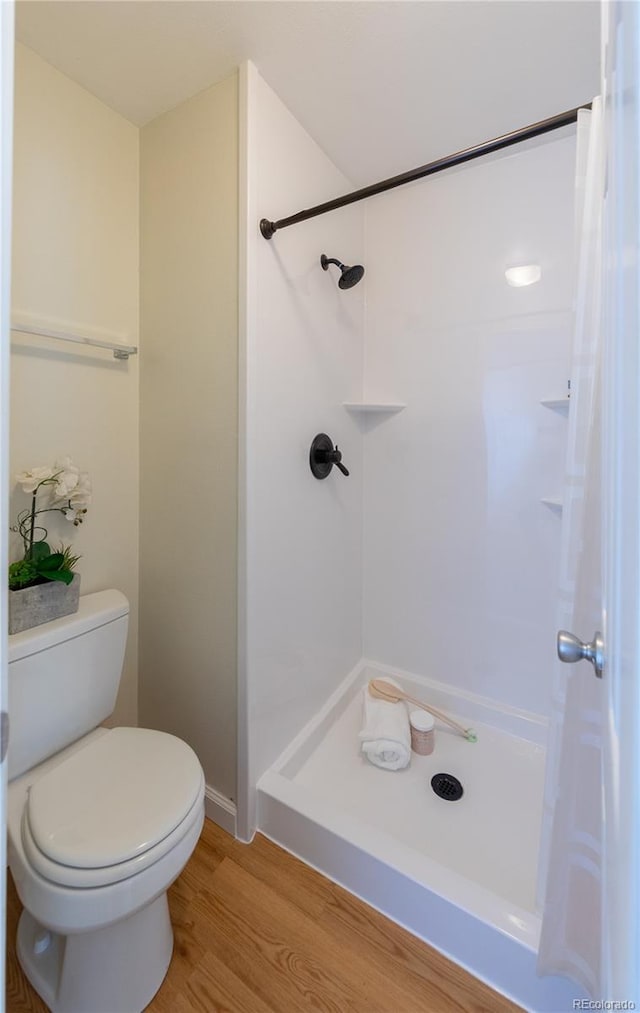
(115, 799)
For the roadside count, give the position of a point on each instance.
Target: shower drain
(447, 786)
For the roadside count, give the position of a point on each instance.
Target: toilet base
(117, 969)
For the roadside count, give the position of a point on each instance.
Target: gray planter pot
(33, 606)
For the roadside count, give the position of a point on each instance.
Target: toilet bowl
(97, 832)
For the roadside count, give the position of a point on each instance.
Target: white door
(621, 508)
(6, 148)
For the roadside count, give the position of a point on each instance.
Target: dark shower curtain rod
(268, 228)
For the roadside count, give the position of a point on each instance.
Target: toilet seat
(112, 809)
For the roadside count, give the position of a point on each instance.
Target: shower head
(349, 276)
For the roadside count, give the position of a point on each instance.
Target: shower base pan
(460, 875)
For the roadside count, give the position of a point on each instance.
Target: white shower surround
(300, 630)
(460, 555)
(325, 564)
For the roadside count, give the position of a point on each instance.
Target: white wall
(189, 423)
(460, 555)
(302, 357)
(75, 267)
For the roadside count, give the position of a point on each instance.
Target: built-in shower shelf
(554, 503)
(560, 404)
(380, 407)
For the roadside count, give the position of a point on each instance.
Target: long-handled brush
(385, 691)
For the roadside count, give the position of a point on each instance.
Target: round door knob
(571, 649)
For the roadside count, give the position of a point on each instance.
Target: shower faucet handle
(335, 457)
(323, 455)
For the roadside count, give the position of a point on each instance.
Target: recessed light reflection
(527, 274)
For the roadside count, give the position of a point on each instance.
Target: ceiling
(382, 86)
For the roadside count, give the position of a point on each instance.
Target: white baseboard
(220, 809)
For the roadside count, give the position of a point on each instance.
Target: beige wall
(75, 266)
(189, 209)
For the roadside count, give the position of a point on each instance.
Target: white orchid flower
(65, 484)
(62, 488)
(66, 475)
(81, 495)
(30, 480)
(78, 499)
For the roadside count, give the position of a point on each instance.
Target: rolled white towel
(385, 736)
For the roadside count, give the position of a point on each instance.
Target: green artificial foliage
(21, 574)
(43, 565)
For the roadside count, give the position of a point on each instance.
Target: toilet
(100, 821)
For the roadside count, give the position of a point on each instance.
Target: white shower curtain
(570, 879)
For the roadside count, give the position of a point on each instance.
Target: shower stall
(435, 561)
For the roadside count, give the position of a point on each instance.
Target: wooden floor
(257, 931)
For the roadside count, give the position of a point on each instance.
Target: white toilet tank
(64, 677)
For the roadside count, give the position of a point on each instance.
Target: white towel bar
(119, 351)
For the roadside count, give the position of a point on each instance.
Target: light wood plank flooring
(257, 931)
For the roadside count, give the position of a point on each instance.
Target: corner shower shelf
(364, 407)
(554, 503)
(557, 405)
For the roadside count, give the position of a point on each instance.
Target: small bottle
(423, 734)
